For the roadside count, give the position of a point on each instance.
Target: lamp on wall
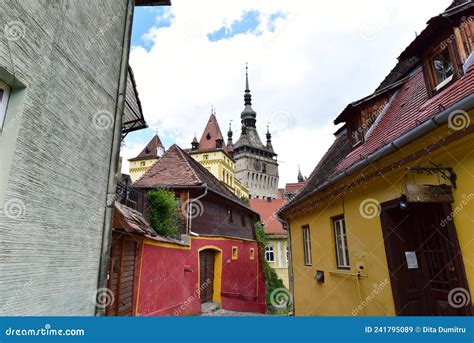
(403, 203)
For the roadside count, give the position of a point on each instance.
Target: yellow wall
(223, 168)
(139, 167)
(342, 294)
(280, 263)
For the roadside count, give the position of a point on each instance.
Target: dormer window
(442, 69)
(208, 136)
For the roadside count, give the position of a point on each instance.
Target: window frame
(4, 103)
(307, 249)
(342, 262)
(235, 252)
(252, 253)
(270, 249)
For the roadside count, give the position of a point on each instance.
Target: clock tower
(256, 163)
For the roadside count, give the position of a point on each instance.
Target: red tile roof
(178, 168)
(150, 150)
(268, 214)
(294, 188)
(210, 134)
(410, 108)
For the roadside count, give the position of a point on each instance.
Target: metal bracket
(447, 173)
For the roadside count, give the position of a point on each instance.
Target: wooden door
(121, 275)
(206, 276)
(423, 257)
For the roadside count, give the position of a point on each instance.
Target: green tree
(162, 213)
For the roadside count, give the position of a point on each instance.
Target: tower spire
(248, 115)
(300, 176)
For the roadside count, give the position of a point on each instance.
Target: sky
(307, 60)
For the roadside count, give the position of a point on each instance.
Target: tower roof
(211, 133)
(150, 150)
(248, 112)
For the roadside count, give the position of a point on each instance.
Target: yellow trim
(139, 278)
(252, 253)
(224, 238)
(235, 252)
(166, 245)
(216, 296)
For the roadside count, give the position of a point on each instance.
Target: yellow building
(212, 152)
(276, 249)
(146, 158)
(384, 223)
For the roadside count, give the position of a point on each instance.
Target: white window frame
(308, 260)
(340, 234)
(4, 103)
(269, 250)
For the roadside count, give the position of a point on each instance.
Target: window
(307, 246)
(229, 214)
(242, 219)
(4, 94)
(340, 238)
(252, 253)
(205, 157)
(269, 255)
(235, 253)
(142, 164)
(442, 68)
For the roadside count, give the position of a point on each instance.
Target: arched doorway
(210, 271)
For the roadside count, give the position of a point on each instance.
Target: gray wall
(67, 56)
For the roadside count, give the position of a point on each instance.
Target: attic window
(442, 67)
(208, 136)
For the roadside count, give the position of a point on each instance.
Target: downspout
(190, 209)
(114, 154)
(286, 226)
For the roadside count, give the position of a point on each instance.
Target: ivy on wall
(161, 212)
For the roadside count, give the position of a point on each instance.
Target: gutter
(429, 125)
(114, 154)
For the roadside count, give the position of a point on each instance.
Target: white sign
(412, 262)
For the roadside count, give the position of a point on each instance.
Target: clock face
(257, 165)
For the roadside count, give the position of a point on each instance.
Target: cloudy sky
(307, 61)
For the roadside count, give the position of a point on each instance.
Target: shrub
(162, 213)
(272, 282)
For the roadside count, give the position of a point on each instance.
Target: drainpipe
(114, 154)
(190, 209)
(286, 226)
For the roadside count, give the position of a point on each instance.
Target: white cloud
(320, 57)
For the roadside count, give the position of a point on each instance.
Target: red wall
(166, 281)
